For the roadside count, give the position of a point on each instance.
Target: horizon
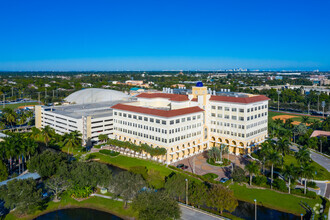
(187, 35)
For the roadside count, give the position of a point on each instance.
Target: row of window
(158, 121)
(226, 124)
(226, 132)
(256, 108)
(234, 117)
(256, 132)
(256, 124)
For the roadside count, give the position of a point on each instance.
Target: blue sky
(164, 35)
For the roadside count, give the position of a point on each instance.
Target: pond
(77, 214)
(246, 211)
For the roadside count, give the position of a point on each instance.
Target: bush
(140, 170)
(226, 162)
(260, 180)
(300, 192)
(109, 152)
(280, 185)
(210, 176)
(254, 155)
(311, 184)
(239, 175)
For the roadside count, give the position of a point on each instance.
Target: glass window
(234, 109)
(241, 110)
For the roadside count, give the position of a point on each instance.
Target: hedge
(109, 152)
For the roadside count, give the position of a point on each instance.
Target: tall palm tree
(290, 172)
(304, 119)
(46, 133)
(9, 116)
(278, 122)
(283, 147)
(252, 168)
(273, 159)
(288, 123)
(31, 147)
(72, 139)
(266, 148)
(303, 155)
(308, 172)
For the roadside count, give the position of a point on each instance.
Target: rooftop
(243, 100)
(170, 96)
(318, 133)
(158, 112)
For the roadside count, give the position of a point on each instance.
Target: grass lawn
(322, 173)
(272, 199)
(298, 118)
(15, 106)
(107, 205)
(210, 176)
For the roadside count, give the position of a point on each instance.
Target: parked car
(182, 166)
(224, 179)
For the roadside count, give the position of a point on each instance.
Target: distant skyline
(110, 35)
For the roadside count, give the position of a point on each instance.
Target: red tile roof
(243, 100)
(170, 96)
(319, 133)
(158, 112)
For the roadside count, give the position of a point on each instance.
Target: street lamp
(323, 105)
(301, 216)
(186, 191)
(278, 100)
(255, 209)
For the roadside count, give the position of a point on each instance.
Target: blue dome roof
(199, 84)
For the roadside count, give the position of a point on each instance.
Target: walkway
(201, 167)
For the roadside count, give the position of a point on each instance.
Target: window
(234, 109)
(241, 118)
(226, 116)
(219, 115)
(163, 122)
(140, 117)
(241, 110)
(189, 119)
(145, 119)
(115, 113)
(183, 119)
(226, 108)
(157, 121)
(171, 122)
(219, 107)
(213, 114)
(151, 120)
(129, 116)
(124, 115)
(177, 121)
(213, 106)
(134, 116)
(234, 117)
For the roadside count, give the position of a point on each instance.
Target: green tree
(302, 155)
(304, 119)
(127, 185)
(197, 193)
(252, 168)
(290, 172)
(214, 154)
(23, 195)
(308, 172)
(221, 198)
(238, 174)
(156, 206)
(72, 139)
(3, 171)
(175, 185)
(57, 185)
(283, 147)
(103, 137)
(46, 134)
(273, 159)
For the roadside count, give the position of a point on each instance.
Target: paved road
(188, 213)
(318, 158)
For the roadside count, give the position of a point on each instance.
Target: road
(188, 213)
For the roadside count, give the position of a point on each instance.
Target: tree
(265, 150)
(214, 154)
(283, 147)
(103, 137)
(156, 206)
(273, 159)
(57, 185)
(238, 174)
(290, 172)
(197, 193)
(175, 185)
(127, 185)
(9, 116)
(252, 168)
(46, 134)
(23, 195)
(3, 171)
(302, 155)
(304, 119)
(221, 198)
(72, 139)
(308, 172)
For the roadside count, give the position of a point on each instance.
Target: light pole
(323, 105)
(255, 209)
(318, 101)
(301, 216)
(321, 144)
(278, 100)
(186, 191)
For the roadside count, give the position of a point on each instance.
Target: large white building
(183, 124)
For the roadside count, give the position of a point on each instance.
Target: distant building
(134, 82)
(179, 86)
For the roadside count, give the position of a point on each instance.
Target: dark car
(182, 166)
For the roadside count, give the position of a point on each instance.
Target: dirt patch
(284, 117)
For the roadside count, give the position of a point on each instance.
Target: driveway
(189, 213)
(200, 166)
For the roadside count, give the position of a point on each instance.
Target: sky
(69, 35)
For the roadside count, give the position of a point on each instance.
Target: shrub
(225, 161)
(109, 152)
(300, 192)
(210, 176)
(280, 185)
(254, 155)
(140, 170)
(239, 175)
(260, 180)
(311, 184)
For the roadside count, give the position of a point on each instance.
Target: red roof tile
(319, 133)
(158, 112)
(243, 100)
(170, 96)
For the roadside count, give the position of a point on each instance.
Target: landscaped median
(272, 199)
(98, 203)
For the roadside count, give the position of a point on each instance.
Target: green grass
(210, 176)
(107, 205)
(297, 118)
(322, 173)
(15, 106)
(272, 199)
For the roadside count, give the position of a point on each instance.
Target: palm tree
(266, 148)
(290, 172)
(303, 155)
(304, 119)
(46, 133)
(283, 147)
(103, 137)
(9, 116)
(72, 139)
(273, 159)
(252, 168)
(278, 122)
(288, 123)
(35, 133)
(308, 172)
